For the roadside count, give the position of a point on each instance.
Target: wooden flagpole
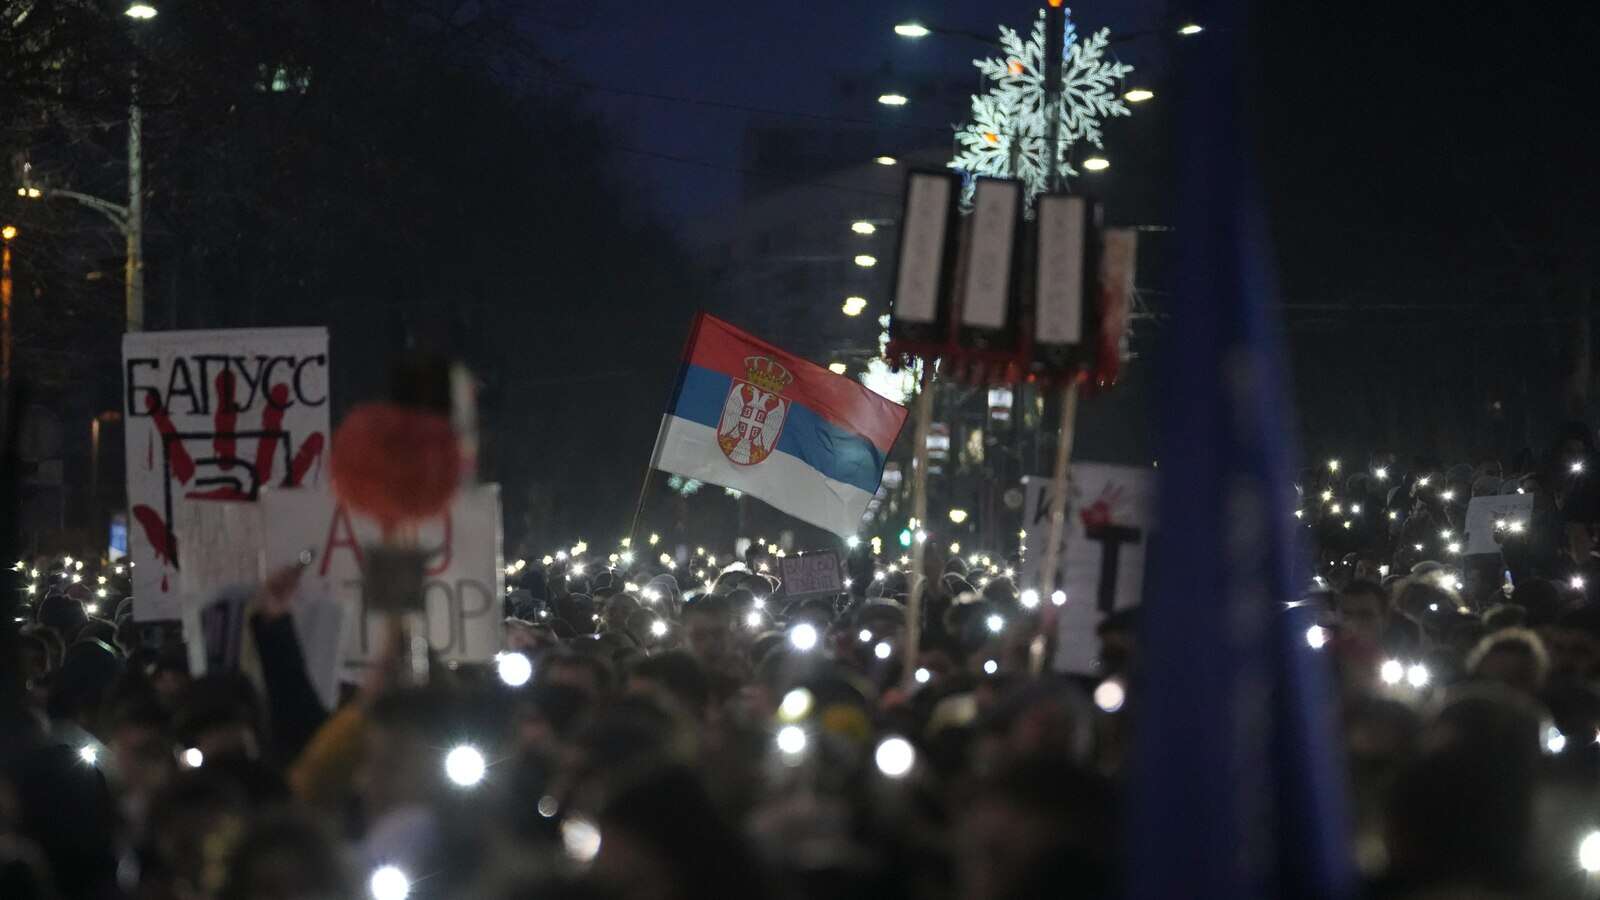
(1058, 514)
(919, 510)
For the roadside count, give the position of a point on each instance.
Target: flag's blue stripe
(836, 453)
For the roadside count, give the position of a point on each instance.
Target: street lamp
(892, 99)
(911, 30)
(141, 11)
(853, 306)
(1097, 164)
(863, 227)
(1139, 95)
(886, 160)
(1190, 29)
(866, 260)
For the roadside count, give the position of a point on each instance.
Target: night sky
(775, 56)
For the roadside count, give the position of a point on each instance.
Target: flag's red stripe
(720, 347)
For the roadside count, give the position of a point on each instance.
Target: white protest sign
(808, 574)
(221, 549)
(214, 416)
(462, 579)
(1483, 512)
(1109, 519)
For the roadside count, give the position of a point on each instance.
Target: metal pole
(1055, 26)
(134, 276)
(919, 509)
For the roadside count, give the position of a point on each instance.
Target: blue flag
(1236, 787)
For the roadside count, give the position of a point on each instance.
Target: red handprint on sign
(208, 465)
(1099, 513)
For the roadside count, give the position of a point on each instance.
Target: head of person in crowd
(589, 675)
(708, 631)
(1515, 657)
(1119, 642)
(1034, 826)
(1363, 611)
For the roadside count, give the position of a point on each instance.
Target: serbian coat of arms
(754, 413)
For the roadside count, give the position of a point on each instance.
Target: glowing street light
(141, 11)
(1110, 695)
(912, 30)
(1097, 164)
(1139, 95)
(8, 232)
(1190, 29)
(886, 161)
(957, 516)
(866, 260)
(893, 99)
(863, 227)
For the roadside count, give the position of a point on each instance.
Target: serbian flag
(749, 416)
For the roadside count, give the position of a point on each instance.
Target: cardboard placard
(811, 574)
(1110, 516)
(214, 416)
(463, 578)
(1483, 512)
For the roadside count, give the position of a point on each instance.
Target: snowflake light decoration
(1009, 129)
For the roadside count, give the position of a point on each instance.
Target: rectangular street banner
(214, 416)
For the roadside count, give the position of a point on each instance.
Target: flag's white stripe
(690, 449)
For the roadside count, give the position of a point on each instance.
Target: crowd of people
(673, 724)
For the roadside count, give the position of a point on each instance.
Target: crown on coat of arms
(766, 374)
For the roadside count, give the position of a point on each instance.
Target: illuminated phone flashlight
(1316, 637)
(995, 624)
(465, 766)
(1109, 695)
(513, 668)
(864, 635)
(1577, 582)
(1589, 853)
(923, 676)
(752, 620)
(658, 628)
(792, 740)
(895, 757)
(192, 758)
(1392, 671)
(1576, 467)
(882, 650)
(803, 637)
(1417, 675)
(990, 667)
(389, 883)
(1381, 473)
(1333, 465)
(1030, 598)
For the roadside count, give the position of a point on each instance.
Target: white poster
(1109, 518)
(214, 416)
(1484, 512)
(463, 580)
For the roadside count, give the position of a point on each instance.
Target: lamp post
(128, 219)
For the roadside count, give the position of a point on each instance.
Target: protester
(656, 731)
